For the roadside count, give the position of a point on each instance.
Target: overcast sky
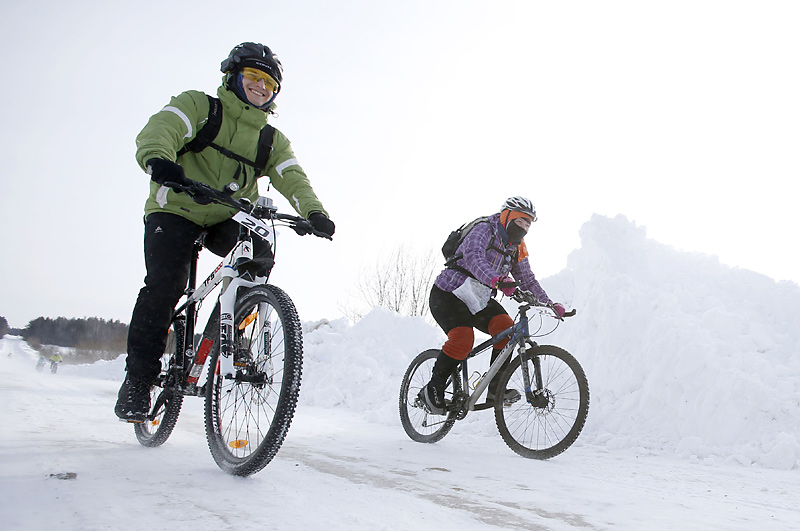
(409, 118)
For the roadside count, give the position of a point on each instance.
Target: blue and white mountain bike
(551, 388)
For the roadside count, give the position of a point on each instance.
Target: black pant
(168, 243)
(450, 312)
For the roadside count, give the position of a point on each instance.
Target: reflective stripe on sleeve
(182, 116)
(283, 165)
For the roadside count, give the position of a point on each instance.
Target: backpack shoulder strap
(452, 262)
(206, 135)
(264, 147)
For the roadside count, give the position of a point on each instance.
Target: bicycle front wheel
(248, 413)
(420, 425)
(165, 401)
(548, 425)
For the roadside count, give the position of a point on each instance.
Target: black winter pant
(450, 312)
(168, 243)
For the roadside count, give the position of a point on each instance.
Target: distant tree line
(85, 334)
(4, 329)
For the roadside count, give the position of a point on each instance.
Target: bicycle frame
(518, 335)
(225, 274)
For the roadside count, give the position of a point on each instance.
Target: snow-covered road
(336, 470)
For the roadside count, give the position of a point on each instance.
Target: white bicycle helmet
(520, 204)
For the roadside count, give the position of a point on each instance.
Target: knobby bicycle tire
(418, 424)
(544, 429)
(165, 401)
(247, 414)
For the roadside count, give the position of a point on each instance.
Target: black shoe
(509, 396)
(433, 398)
(133, 400)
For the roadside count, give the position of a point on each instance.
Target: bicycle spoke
(418, 423)
(552, 422)
(248, 412)
(166, 402)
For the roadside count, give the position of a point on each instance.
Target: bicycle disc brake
(543, 399)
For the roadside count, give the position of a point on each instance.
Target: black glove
(165, 171)
(321, 223)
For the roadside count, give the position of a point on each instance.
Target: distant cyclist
(462, 295)
(252, 79)
(55, 359)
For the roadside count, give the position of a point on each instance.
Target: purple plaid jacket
(486, 264)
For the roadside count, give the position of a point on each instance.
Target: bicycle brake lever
(304, 227)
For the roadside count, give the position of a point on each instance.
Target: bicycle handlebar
(201, 192)
(526, 297)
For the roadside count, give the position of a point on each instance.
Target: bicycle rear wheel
(165, 402)
(248, 413)
(417, 422)
(552, 422)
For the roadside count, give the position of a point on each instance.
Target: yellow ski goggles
(256, 75)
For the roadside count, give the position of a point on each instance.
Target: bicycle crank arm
(259, 378)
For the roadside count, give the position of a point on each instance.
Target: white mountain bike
(252, 344)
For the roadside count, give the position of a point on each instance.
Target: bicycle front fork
(534, 387)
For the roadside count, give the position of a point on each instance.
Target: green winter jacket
(178, 123)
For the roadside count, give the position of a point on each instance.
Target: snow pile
(361, 366)
(684, 355)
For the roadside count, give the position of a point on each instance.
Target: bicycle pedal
(126, 421)
(241, 359)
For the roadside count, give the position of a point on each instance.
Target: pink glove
(508, 291)
(559, 309)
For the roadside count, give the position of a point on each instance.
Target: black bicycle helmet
(253, 55)
(520, 204)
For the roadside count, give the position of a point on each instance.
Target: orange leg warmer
(459, 342)
(497, 325)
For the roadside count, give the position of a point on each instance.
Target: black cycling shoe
(509, 397)
(133, 400)
(433, 398)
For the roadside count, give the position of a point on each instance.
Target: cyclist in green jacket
(173, 221)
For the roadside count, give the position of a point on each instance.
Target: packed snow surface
(693, 424)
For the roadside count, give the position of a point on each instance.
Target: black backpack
(451, 244)
(208, 133)
(454, 240)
